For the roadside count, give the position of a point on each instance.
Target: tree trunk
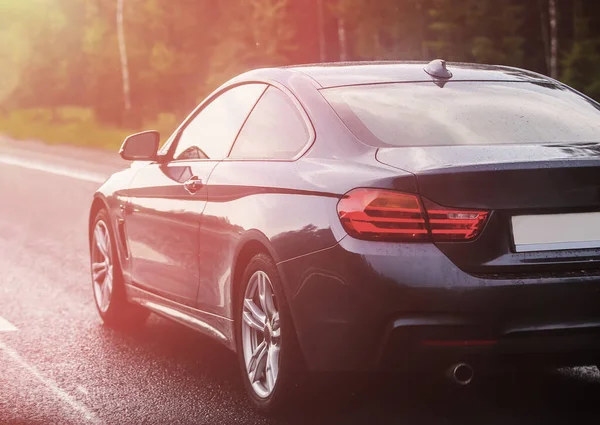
(421, 47)
(321, 25)
(579, 31)
(123, 54)
(545, 38)
(553, 39)
(342, 40)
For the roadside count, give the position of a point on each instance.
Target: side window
(274, 130)
(211, 133)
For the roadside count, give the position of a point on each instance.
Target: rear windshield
(464, 113)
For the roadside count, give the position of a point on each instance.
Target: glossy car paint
(510, 180)
(182, 253)
(503, 176)
(353, 300)
(344, 74)
(162, 222)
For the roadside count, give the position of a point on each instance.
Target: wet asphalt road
(62, 366)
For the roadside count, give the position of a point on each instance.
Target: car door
(167, 198)
(246, 188)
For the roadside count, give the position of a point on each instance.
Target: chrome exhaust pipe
(460, 373)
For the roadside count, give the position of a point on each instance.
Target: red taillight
(376, 214)
(448, 224)
(385, 215)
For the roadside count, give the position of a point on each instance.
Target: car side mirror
(141, 146)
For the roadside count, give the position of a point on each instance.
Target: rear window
(464, 113)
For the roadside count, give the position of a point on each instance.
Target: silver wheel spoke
(109, 279)
(261, 334)
(272, 368)
(251, 321)
(99, 271)
(265, 295)
(101, 241)
(257, 314)
(102, 267)
(257, 362)
(108, 249)
(105, 296)
(276, 326)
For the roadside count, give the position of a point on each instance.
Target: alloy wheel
(102, 266)
(261, 334)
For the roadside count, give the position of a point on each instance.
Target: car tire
(108, 285)
(269, 387)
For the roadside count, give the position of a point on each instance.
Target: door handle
(193, 184)
(126, 209)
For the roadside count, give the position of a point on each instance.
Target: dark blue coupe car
(364, 217)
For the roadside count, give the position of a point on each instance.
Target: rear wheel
(107, 278)
(267, 349)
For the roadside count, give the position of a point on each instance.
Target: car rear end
(494, 258)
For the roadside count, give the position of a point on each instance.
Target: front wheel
(107, 278)
(267, 349)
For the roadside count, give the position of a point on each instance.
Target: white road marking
(6, 326)
(58, 392)
(54, 169)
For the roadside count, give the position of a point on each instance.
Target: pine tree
(448, 30)
(581, 65)
(383, 29)
(256, 33)
(485, 31)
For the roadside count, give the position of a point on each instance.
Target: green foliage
(383, 29)
(62, 125)
(76, 126)
(60, 53)
(26, 28)
(581, 67)
(258, 34)
(484, 31)
(581, 64)
(487, 31)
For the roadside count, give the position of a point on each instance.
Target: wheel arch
(253, 242)
(97, 204)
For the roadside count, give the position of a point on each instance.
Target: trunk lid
(509, 181)
(503, 176)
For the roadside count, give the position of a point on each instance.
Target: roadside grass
(74, 126)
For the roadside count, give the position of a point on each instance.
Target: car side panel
(290, 207)
(162, 228)
(113, 195)
(290, 204)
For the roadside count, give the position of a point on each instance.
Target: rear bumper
(368, 305)
(439, 342)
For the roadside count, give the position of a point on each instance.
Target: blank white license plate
(552, 232)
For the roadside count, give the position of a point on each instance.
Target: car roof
(354, 73)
